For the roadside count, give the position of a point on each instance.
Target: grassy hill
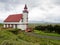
(9, 38)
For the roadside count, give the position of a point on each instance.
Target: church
(19, 21)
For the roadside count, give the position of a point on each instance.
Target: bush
(49, 28)
(40, 28)
(57, 29)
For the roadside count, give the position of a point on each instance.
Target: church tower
(25, 16)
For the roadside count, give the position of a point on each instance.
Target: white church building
(19, 21)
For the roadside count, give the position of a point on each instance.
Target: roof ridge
(15, 14)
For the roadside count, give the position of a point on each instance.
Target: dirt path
(42, 36)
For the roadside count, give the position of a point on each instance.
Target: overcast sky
(39, 10)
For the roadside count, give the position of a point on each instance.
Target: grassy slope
(47, 34)
(38, 41)
(9, 38)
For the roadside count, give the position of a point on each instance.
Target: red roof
(14, 18)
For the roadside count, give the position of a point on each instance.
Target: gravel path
(43, 36)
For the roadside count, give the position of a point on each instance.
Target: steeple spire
(25, 9)
(25, 6)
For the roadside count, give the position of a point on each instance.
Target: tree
(57, 29)
(49, 28)
(42, 28)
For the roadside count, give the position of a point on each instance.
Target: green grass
(9, 38)
(1, 24)
(38, 41)
(44, 33)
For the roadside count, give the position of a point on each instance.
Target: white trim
(15, 22)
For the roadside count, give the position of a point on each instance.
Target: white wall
(20, 25)
(23, 27)
(25, 16)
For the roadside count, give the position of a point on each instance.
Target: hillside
(8, 37)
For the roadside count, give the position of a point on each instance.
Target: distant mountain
(37, 22)
(43, 22)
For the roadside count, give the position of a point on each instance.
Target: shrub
(57, 29)
(40, 28)
(49, 28)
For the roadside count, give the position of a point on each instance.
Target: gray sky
(39, 10)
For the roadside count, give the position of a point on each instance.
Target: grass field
(39, 41)
(47, 34)
(9, 38)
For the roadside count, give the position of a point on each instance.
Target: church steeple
(25, 16)
(25, 9)
(25, 6)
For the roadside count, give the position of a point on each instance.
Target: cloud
(39, 10)
(56, 2)
(47, 12)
